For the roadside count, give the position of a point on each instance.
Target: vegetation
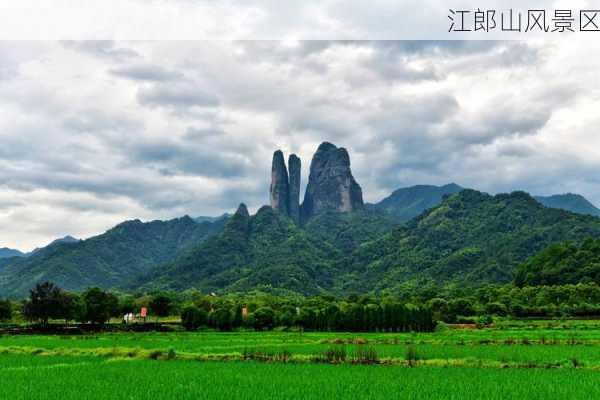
(571, 202)
(471, 238)
(51, 377)
(6, 310)
(562, 263)
(109, 260)
(267, 251)
(524, 359)
(406, 203)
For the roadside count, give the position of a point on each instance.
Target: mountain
(5, 252)
(66, 239)
(562, 263)
(212, 219)
(269, 251)
(108, 260)
(571, 202)
(331, 185)
(470, 238)
(272, 249)
(406, 203)
(332, 243)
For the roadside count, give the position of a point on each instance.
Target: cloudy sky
(96, 132)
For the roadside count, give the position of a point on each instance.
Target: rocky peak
(237, 227)
(242, 211)
(294, 166)
(279, 189)
(331, 185)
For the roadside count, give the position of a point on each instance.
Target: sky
(97, 132)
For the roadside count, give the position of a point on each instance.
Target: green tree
(5, 310)
(221, 318)
(99, 305)
(161, 305)
(71, 306)
(263, 318)
(193, 317)
(45, 302)
(238, 318)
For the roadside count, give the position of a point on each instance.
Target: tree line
(413, 308)
(47, 303)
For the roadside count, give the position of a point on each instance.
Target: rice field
(95, 378)
(525, 361)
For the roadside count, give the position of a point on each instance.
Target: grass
(69, 377)
(539, 359)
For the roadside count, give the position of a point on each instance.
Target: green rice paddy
(522, 361)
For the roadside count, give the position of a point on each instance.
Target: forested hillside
(108, 260)
(269, 251)
(471, 238)
(562, 263)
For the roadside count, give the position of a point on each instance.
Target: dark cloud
(146, 72)
(102, 48)
(176, 95)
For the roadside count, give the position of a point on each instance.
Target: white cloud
(97, 132)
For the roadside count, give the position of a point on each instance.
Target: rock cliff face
(331, 185)
(294, 186)
(279, 184)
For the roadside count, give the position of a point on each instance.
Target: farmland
(541, 359)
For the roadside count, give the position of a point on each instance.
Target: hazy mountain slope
(65, 239)
(212, 219)
(108, 260)
(5, 252)
(406, 203)
(570, 202)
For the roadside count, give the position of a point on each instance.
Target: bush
(496, 309)
(484, 320)
(411, 356)
(193, 317)
(335, 354)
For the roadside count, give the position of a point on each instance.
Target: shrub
(335, 354)
(496, 309)
(484, 320)
(365, 355)
(411, 356)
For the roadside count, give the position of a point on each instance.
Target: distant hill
(108, 260)
(5, 252)
(66, 239)
(212, 219)
(406, 203)
(571, 202)
(470, 238)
